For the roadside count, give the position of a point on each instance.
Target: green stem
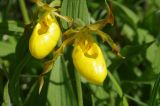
(79, 89)
(136, 100)
(112, 99)
(118, 89)
(24, 11)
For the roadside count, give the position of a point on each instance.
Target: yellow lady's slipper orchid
(44, 37)
(89, 61)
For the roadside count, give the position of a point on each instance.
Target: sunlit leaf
(77, 9)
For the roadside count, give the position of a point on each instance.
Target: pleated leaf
(76, 9)
(60, 91)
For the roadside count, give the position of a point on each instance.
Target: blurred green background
(133, 81)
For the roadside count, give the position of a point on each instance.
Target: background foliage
(133, 81)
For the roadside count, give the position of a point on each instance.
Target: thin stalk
(155, 90)
(24, 11)
(79, 89)
(118, 89)
(112, 98)
(135, 100)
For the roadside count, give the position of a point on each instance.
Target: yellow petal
(44, 37)
(89, 62)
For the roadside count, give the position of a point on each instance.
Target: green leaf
(34, 98)
(128, 32)
(99, 91)
(6, 97)
(144, 36)
(76, 9)
(10, 26)
(153, 56)
(22, 47)
(14, 81)
(98, 94)
(55, 3)
(126, 14)
(130, 51)
(157, 2)
(60, 91)
(23, 43)
(7, 47)
(151, 21)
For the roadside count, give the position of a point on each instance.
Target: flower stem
(24, 11)
(79, 89)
